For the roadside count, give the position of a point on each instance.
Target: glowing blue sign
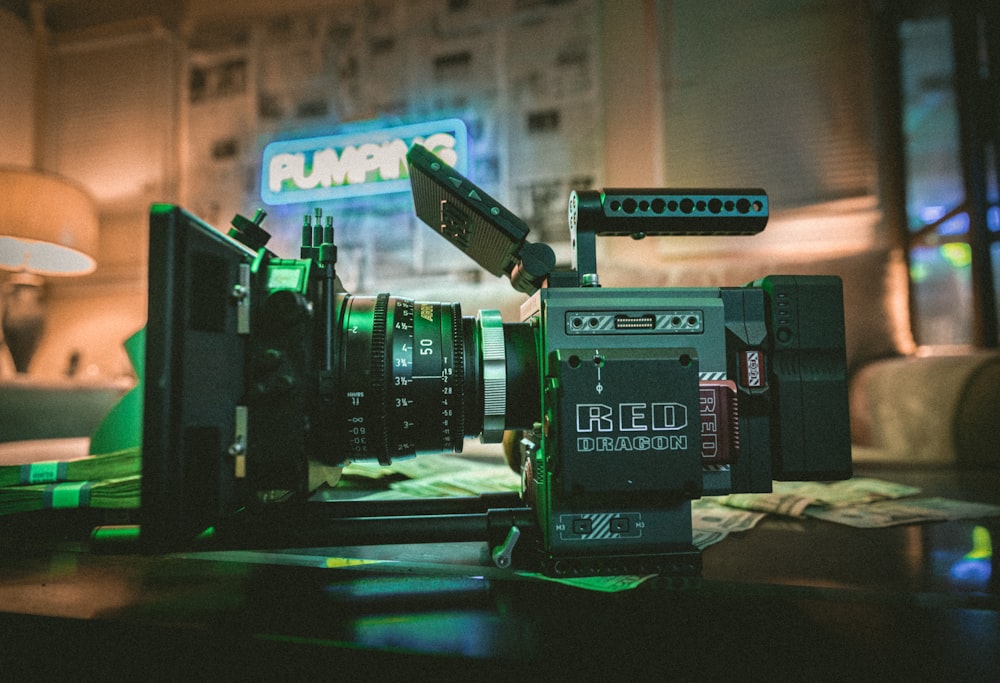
(355, 164)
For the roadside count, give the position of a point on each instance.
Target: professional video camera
(618, 406)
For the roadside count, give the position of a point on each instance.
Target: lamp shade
(48, 224)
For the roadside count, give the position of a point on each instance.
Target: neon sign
(355, 164)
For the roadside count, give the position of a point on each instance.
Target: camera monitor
(483, 228)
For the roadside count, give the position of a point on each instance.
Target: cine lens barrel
(415, 377)
(402, 375)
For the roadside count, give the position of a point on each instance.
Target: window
(947, 113)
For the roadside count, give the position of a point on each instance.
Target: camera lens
(416, 377)
(401, 370)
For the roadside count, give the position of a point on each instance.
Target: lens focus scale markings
(402, 376)
(400, 405)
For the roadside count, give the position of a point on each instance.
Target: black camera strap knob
(249, 232)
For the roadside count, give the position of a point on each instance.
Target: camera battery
(719, 412)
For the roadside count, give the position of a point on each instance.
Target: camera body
(654, 397)
(619, 406)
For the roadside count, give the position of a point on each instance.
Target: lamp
(48, 226)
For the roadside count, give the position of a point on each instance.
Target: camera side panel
(195, 358)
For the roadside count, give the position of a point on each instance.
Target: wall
(17, 69)
(558, 95)
(111, 124)
(773, 94)
(17, 84)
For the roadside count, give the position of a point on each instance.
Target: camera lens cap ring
(494, 368)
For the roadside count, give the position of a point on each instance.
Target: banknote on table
(702, 538)
(888, 513)
(792, 498)
(462, 482)
(711, 522)
(108, 480)
(709, 515)
(435, 476)
(849, 492)
(772, 503)
(417, 468)
(120, 494)
(116, 465)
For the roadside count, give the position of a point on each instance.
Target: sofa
(33, 408)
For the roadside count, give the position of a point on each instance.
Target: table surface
(789, 598)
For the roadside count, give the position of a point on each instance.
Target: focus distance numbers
(401, 370)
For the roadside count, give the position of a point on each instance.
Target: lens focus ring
(494, 369)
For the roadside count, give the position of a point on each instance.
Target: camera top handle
(642, 212)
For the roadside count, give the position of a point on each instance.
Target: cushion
(938, 410)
